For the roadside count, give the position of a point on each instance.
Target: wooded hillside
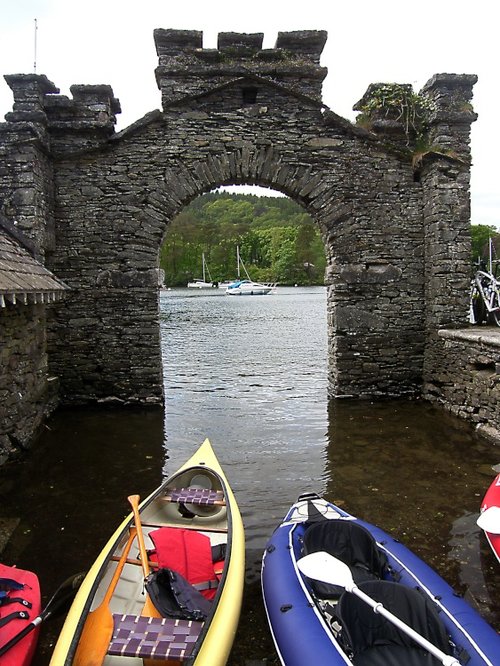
(278, 241)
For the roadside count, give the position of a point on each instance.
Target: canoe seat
(375, 641)
(350, 542)
(154, 638)
(201, 496)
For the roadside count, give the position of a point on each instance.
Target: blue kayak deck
(301, 631)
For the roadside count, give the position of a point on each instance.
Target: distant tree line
(278, 241)
(480, 236)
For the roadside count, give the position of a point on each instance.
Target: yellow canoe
(112, 598)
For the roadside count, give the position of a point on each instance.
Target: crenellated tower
(41, 125)
(187, 69)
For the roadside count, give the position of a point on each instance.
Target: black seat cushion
(372, 638)
(395, 655)
(350, 542)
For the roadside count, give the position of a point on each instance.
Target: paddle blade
(327, 569)
(95, 638)
(98, 627)
(489, 520)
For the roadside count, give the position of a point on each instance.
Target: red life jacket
(189, 553)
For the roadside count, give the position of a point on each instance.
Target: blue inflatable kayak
(313, 620)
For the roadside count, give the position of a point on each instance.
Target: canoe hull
(293, 614)
(220, 522)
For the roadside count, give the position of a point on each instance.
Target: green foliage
(397, 102)
(278, 240)
(480, 236)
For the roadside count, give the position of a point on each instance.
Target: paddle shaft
(118, 571)
(149, 608)
(328, 569)
(445, 659)
(134, 503)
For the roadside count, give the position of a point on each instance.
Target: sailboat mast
(238, 260)
(203, 265)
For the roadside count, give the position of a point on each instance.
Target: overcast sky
(111, 42)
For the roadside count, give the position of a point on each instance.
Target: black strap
(15, 600)
(206, 585)
(17, 615)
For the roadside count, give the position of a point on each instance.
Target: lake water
(251, 374)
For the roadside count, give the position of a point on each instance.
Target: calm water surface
(250, 373)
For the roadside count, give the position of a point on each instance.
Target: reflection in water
(250, 373)
(71, 492)
(465, 548)
(420, 474)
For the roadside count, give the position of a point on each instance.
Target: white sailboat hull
(200, 284)
(248, 288)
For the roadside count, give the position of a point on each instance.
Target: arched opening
(242, 232)
(249, 373)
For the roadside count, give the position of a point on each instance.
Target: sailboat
(246, 287)
(202, 283)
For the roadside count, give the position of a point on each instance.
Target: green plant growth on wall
(398, 102)
(277, 239)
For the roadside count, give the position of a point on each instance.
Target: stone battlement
(306, 43)
(185, 68)
(92, 109)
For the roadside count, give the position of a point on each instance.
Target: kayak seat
(375, 641)
(395, 655)
(347, 541)
(154, 638)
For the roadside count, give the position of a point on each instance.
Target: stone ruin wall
(99, 204)
(27, 395)
(465, 378)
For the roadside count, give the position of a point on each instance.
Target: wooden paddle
(149, 608)
(98, 628)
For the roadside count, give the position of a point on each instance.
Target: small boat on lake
(489, 518)
(323, 573)
(167, 587)
(246, 287)
(203, 283)
(19, 606)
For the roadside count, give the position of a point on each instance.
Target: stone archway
(241, 114)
